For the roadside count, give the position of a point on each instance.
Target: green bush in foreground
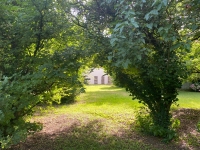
(16, 102)
(39, 63)
(144, 123)
(20, 94)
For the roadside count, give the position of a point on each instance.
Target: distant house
(98, 76)
(186, 86)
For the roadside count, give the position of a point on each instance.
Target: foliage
(148, 41)
(192, 59)
(43, 45)
(195, 87)
(71, 94)
(104, 118)
(198, 126)
(14, 105)
(40, 61)
(145, 124)
(193, 63)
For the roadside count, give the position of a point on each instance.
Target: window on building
(102, 80)
(95, 79)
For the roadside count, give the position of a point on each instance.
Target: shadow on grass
(91, 135)
(188, 126)
(112, 88)
(188, 118)
(80, 137)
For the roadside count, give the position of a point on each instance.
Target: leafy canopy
(142, 44)
(40, 58)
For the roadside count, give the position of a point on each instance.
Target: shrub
(144, 123)
(16, 103)
(70, 95)
(19, 94)
(195, 86)
(198, 126)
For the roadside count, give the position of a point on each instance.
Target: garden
(105, 118)
(149, 48)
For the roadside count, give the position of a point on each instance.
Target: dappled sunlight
(112, 95)
(91, 88)
(89, 134)
(85, 132)
(189, 99)
(104, 119)
(188, 118)
(190, 104)
(188, 126)
(118, 114)
(107, 95)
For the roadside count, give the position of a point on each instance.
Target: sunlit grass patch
(189, 99)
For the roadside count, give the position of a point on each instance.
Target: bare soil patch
(67, 128)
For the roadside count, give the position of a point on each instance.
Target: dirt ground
(55, 126)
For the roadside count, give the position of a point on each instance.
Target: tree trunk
(161, 115)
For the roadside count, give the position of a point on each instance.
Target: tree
(193, 65)
(40, 58)
(148, 40)
(192, 58)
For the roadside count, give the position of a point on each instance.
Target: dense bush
(20, 94)
(145, 124)
(70, 95)
(40, 62)
(195, 86)
(16, 103)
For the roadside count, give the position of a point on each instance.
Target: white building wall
(98, 72)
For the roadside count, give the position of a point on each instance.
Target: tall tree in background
(192, 9)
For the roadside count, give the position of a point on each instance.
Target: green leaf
(194, 27)
(197, 35)
(112, 41)
(149, 25)
(176, 46)
(159, 7)
(152, 12)
(110, 58)
(160, 29)
(126, 63)
(155, 2)
(142, 40)
(134, 23)
(121, 29)
(187, 46)
(146, 16)
(117, 26)
(121, 2)
(139, 57)
(165, 2)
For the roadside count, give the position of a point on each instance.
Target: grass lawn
(103, 119)
(189, 99)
